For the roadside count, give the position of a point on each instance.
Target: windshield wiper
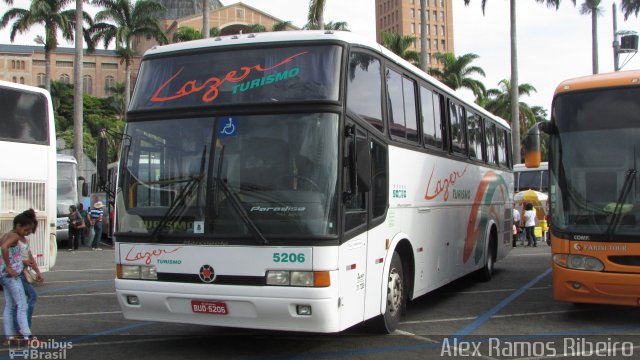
(617, 210)
(237, 204)
(172, 213)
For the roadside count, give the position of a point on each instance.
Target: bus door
(353, 251)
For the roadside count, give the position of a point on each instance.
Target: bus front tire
(486, 272)
(395, 297)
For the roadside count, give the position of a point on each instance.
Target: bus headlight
(578, 262)
(298, 278)
(136, 272)
(278, 278)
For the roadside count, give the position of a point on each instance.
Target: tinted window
(410, 113)
(364, 88)
(379, 178)
(503, 160)
(458, 128)
(395, 103)
(24, 117)
(490, 137)
(474, 126)
(239, 77)
(430, 124)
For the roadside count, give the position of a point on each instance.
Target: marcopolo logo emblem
(577, 246)
(207, 274)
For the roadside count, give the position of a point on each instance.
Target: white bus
(265, 183)
(67, 193)
(28, 165)
(536, 179)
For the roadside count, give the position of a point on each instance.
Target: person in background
(76, 226)
(12, 266)
(529, 224)
(516, 223)
(86, 232)
(96, 215)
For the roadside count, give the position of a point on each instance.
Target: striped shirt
(96, 215)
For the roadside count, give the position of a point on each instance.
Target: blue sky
(552, 45)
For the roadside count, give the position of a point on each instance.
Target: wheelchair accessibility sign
(227, 126)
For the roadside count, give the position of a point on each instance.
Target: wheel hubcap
(394, 292)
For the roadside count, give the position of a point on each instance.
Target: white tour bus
(265, 183)
(67, 193)
(28, 165)
(537, 179)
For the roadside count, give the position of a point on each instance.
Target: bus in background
(264, 183)
(28, 165)
(594, 191)
(67, 193)
(105, 193)
(536, 179)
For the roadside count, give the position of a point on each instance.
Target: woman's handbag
(29, 275)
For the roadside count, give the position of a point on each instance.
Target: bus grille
(38, 241)
(18, 196)
(220, 279)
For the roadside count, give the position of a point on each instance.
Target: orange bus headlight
(578, 262)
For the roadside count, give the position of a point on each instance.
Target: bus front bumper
(255, 307)
(578, 286)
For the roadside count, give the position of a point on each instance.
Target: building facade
(25, 64)
(403, 17)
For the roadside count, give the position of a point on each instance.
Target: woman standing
(529, 224)
(12, 266)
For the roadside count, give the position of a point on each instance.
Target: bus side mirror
(363, 165)
(85, 189)
(532, 148)
(101, 162)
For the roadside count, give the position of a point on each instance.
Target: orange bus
(594, 190)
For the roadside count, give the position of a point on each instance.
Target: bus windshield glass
(595, 187)
(248, 76)
(24, 117)
(231, 176)
(67, 191)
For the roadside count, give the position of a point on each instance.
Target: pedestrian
(76, 226)
(96, 215)
(24, 224)
(529, 224)
(86, 232)
(29, 262)
(516, 226)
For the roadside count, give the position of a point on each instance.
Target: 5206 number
(288, 257)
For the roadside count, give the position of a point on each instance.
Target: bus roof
(35, 89)
(614, 79)
(66, 158)
(287, 37)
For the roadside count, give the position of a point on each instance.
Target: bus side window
(355, 202)
(379, 180)
(364, 89)
(490, 138)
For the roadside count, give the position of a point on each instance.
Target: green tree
(281, 26)
(399, 44)
(129, 20)
(630, 7)
(456, 72)
(185, 33)
(48, 13)
(338, 25)
(256, 28)
(515, 129)
(214, 31)
(315, 19)
(592, 7)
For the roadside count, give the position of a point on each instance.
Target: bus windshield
(233, 176)
(67, 188)
(594, 178)
(249, 76)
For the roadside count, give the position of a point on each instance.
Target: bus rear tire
(396, 301)
(486, 272)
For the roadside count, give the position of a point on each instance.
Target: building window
(240, 13)
(21, 79)
(413, 13)
(13, 64)
(109, 84)
(87, 85)
(64, 78)
(413, 28)
(89, 65)
(15, 79)
(435, 16)
(64, 64)
(441, 15)
(111, 66)
(39, 63)
(40, 79)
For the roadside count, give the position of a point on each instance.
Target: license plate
(209, 307)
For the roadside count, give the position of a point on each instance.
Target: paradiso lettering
(442, 186)
(210, 86)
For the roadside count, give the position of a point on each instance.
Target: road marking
(414, 336)
(487, 315)
(75, 295)
(495, 290)
(493, 317)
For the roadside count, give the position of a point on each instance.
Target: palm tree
(205, 18)
(423, 35)
(281, 26)
(185, 33)
(630, 7)
(456, 72)
(51, 15)
(592, 7)
(316, 15)
(256, 28)
(515, 128)
(399, 44)
(131, 20)
(498, 102)
(339, 25)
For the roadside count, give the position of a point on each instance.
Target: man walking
(96, 221)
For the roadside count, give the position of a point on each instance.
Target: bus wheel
(486, 272)
(396, 302)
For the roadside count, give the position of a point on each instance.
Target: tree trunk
(47, 68)
(78, 127)
(127, 84)
(205, 19)
(423, 35)
(515, 103)
(594, 40)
